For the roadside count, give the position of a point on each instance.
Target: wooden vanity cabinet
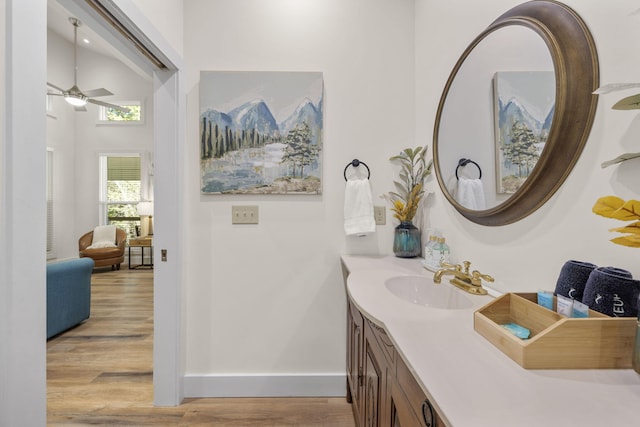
(380, 386)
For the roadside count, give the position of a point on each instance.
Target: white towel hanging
(358, 208)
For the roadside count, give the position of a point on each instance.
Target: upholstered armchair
(107, 255)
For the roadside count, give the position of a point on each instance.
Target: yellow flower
(399, 210)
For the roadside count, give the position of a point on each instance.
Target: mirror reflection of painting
(524, 106)
(261, 132)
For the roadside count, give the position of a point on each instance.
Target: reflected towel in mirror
(470, 193)
(358, 208)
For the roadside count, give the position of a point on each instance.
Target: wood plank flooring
(100, 373)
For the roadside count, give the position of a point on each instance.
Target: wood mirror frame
(576, 68)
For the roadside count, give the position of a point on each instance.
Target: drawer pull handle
(427, 414)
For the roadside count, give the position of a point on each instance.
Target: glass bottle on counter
(443, 251)
(429, 251)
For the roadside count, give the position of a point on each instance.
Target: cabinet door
(355, 369)
(402, 414)
(378, 373)
(373, 388)
(410, 392)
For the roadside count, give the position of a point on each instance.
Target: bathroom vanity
(413, 365)
(381, 388)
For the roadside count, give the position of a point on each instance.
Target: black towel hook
(465, 162)
(355, 163)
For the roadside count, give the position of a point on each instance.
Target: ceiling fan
(74, 95)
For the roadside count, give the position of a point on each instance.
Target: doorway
(154, 55)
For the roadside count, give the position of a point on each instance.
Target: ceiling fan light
(77, 100)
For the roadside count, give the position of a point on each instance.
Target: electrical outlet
(380, 215)
(244, 214)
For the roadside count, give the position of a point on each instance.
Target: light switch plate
(244, 214)
(380, 215)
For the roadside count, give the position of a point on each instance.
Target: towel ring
(465, 162)
(355, 163)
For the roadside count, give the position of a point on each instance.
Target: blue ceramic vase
(406, 241)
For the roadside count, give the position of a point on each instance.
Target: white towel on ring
(358, 208)
(470, 193)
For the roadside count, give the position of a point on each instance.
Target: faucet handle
(466, 264)
(477, 277)
(448, 265)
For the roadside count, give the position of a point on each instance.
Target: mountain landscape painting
(261, 132)
(524, 106)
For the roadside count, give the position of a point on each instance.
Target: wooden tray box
(556, 342)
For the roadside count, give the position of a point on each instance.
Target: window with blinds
(120, 191)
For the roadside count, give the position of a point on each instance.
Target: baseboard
(299, 385)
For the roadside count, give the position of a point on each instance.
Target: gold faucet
(469, 282)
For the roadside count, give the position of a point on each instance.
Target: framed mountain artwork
(524, 103)
(261, 132)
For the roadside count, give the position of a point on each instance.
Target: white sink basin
(421, 290)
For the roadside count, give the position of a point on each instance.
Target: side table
(141, 242)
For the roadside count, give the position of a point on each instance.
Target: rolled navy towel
(618, 271)
(573, 278)
(612, 293)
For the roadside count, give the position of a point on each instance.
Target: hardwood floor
(100, 373)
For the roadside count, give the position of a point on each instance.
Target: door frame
(168, 142)
(23, 212)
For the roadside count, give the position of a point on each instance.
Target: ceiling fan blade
(106, 104)
(97, 92)
(55, 87)
(83, 108)
(54, 94)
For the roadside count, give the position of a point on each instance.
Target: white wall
(166, 17)
(269, 299)
(61, 139)
(93, 138)
(77, 138)
(528, 255)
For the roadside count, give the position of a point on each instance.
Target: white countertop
(471, 382)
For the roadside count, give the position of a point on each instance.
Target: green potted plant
(406, 199)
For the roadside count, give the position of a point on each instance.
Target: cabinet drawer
(416, 396)
(140, 242)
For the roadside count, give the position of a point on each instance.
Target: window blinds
(123, 168)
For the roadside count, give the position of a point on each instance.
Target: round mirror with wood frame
(576, 70)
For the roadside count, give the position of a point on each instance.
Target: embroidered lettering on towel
(618, 305)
